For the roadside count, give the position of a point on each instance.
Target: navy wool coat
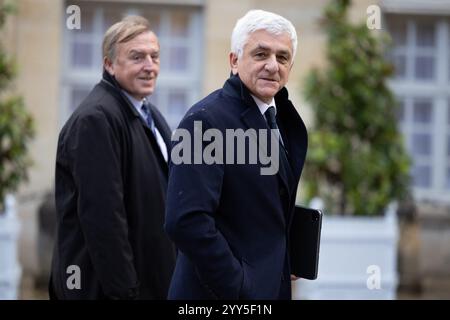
(229, 222)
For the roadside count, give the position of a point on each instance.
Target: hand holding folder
(305, 242)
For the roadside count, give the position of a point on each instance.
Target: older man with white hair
(230, 222)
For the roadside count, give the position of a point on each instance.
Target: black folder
(305, 242)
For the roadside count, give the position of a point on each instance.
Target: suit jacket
(111, 183)
(229, 222)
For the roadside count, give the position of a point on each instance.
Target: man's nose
(148, 62)
(272, 64)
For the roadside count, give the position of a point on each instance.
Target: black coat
(231, 223)
(111, 183)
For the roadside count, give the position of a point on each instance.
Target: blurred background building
(58, 66)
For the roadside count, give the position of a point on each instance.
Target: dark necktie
(272, 122)
(148, 117)
(270, 115)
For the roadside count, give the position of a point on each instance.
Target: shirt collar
(264, 106)
(137, 104)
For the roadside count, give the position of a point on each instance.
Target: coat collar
(252, 116)
(290, 121)
(110, 83)
(234, 87)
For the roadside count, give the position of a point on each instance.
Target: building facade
(59, 65)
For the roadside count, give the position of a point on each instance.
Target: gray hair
(260, 20)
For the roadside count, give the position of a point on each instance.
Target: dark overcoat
(111, 183)
(229, 221)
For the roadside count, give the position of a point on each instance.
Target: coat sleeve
(93, 149)
(193, 198)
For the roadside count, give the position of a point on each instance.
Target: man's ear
(233, 63)
(108, 65)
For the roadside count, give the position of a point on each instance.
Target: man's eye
(260, 54)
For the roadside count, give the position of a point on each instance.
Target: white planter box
(10, 270)
(358, 259)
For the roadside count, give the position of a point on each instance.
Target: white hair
(260, 20)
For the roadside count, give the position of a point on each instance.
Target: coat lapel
(112, 86)
(291, 126)
(252, 118)
(296, 137)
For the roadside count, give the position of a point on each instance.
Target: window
(415, 116)
(179, 32)
(420, 54)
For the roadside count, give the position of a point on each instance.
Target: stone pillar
(434, 258)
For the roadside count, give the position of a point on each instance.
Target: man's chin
(268, 94)
(147, 92)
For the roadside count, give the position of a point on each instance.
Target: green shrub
(16, 125)
(356, 161)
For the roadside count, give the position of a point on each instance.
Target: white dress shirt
(263, 108)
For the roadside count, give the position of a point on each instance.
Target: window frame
(438, 91)
(189, 80)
